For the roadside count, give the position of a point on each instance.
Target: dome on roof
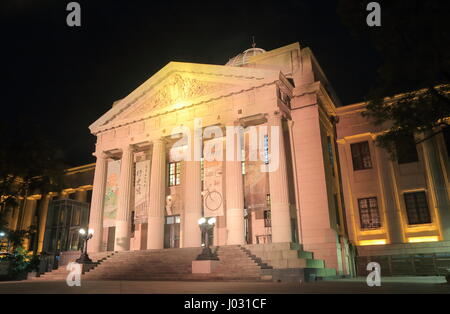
(243, 57)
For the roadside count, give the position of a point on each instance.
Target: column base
(155, 233)
(122, 236)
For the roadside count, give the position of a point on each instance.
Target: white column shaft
(235, 200)
(98, 196)
(125, 201)
(278, 182)
(155, 233)
(192, 204)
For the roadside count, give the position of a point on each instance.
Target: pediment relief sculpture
(175, 92)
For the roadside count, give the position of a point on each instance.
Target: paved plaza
(348, 286)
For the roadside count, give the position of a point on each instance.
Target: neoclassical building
(319, 181)
(154, 201)
(332, 190)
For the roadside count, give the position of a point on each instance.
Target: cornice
(150, 116)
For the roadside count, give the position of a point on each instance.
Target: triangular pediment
(178, 85)
(177, 91)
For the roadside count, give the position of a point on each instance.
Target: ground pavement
(352, 286)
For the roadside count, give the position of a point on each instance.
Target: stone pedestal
(204, 267)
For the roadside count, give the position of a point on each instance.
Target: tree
(29, 164)
(413, 44)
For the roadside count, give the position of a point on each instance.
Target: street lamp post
(3, 235)
(206, 225)
(84, 257)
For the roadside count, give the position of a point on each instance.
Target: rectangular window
(417, 208)
(267, 219)
(330, 153)
(368, 213)
(407, 151)
(266, 149)
(361, 156)
(268, 200)
(174, 173)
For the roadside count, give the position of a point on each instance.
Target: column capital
(238, 123)
(100, 155)
(128, 148)
(160, 140)
(274, 116)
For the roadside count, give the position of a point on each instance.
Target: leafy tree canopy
(413, 42)
(29, 163)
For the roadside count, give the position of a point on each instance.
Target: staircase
(167, 264)
(61, 273)
(236, 264)
(289, 263)
(284, 262)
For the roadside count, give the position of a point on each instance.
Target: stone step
(169, 264)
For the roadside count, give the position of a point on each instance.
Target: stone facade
(410, 194)
(294, 202)
(331, 189)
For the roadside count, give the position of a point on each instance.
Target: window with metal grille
(361, 156)
(368, 213)
(267, 218)
(174, 173)
(417, 208)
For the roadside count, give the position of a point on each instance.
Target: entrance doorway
(172, 232)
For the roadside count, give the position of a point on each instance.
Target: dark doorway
(172, 232)
(111, 237)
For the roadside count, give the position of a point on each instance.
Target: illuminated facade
(68, 209)
(154, 201)
(396, 206)
(332, 187)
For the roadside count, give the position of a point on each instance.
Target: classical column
(294, 170)
(43, 211)
(98, 196)
(29, 213)
(15, 218)
(125, 201)
(155, 233)
(278, 183)
(192, 200)
(438, 185)
(235, 196)
(391, 203)
(81, 195)
(9, 216)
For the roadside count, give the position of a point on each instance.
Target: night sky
(64, 78)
